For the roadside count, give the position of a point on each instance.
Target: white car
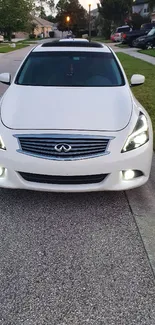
(117, 36)
(69, 122)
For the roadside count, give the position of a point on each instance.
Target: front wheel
(131, 43)
(134, 43)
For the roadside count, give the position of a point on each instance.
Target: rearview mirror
(5, 78)
(137, 80)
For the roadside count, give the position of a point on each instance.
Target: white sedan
(69, 122)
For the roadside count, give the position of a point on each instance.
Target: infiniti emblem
(62, 147)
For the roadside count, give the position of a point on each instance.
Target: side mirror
(5, 78)
(137, 80)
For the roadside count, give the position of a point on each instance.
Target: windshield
(152, 32)
(83, 69)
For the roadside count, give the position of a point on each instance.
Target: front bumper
(112, 164)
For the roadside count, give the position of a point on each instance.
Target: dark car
(146, 42)
(130, 37)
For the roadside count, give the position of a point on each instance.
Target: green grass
(27, 41)
(6, 48)
(150, 52)
(145, 93)
(122, 45)
(4, 44)
(101, 39)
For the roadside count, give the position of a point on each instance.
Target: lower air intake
(63, 180)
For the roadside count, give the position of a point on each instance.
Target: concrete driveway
(76, 259)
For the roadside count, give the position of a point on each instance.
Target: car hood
(100, 109)
(145, 37)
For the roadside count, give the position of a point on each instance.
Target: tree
(136, 20)
(15, 15)
(78, 15)
(40, 7)
(151, 4)
(61, 6)
(115, 10)
(51, 18)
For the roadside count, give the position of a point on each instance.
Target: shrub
(32, 36)
(51, 34)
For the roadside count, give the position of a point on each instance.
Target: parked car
(1, 38)
(129, 37)
(70, 123)
(147, 41)
(117, 36)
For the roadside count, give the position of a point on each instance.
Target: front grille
(63, 180)
(63, 147)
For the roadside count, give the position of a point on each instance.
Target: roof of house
(42, 22)
(94, 12)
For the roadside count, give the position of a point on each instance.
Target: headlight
(2, 145)
(139, 136)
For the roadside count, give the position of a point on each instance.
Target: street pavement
(76, 259)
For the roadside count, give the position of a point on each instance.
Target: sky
(84, 3)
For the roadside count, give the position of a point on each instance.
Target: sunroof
(72, 43)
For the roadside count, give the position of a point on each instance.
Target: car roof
(72, 45)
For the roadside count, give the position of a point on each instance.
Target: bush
(32, 36)
(86, 31)
(51, 34)
(137, 20)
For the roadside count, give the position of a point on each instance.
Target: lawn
(5, 48)
(122, 45)
(145, 93)
(101, 39)
(150, 52)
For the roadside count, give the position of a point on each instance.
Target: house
(141, 7)
(42, 26)
(94, 13)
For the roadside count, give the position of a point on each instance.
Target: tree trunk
(9, 35)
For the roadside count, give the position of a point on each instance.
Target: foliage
(78, 15)
(136, 20)
(15, 15)
(32, 36)
(115, 10)
(151, 4)
(40, 7)
(51, 34)
(51, 19)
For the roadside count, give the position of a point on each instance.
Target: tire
(134, 43)
(131, 43)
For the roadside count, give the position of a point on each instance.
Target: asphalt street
(75, 259)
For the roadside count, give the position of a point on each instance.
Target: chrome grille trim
(83, 146)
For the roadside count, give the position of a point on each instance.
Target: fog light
(128, 174)
(2, 170)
